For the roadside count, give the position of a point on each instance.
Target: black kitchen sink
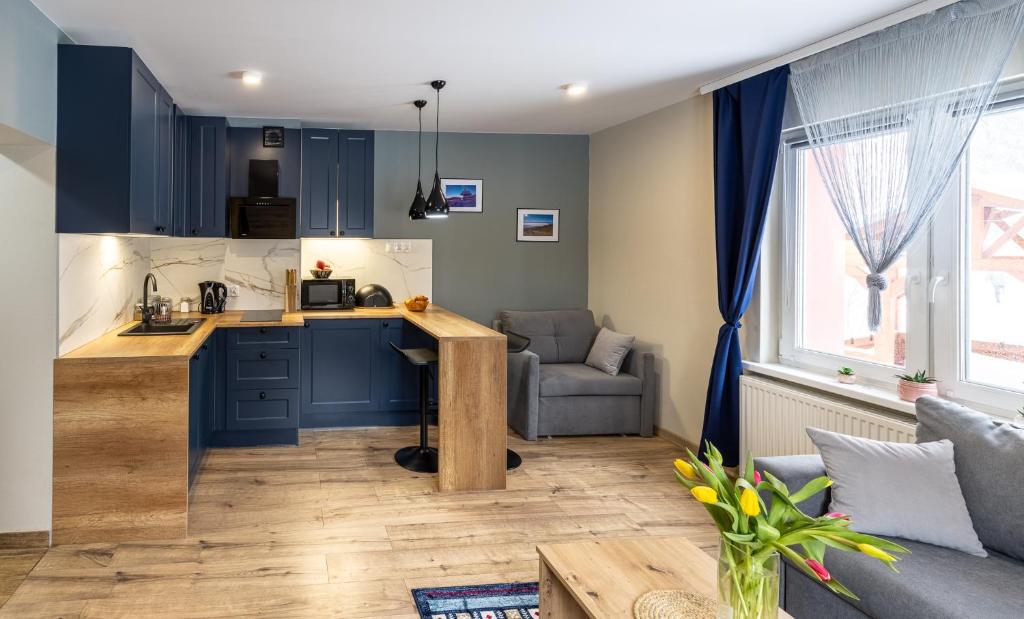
(178, 326)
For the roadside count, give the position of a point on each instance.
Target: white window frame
(936, 314)
(791, 352)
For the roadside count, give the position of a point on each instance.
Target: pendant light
(437, 205)
(418, 208)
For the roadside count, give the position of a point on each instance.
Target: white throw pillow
(898, 489)
(609, 351)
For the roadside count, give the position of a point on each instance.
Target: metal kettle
(213, 297)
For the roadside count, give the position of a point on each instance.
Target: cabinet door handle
(332, 233)
(263, 355)
(194, 232)
(385, 324)
(206, 347)
(195, 357)
(263, 395)
(263, 329)
(306, 324)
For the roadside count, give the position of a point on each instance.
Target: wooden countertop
(438, 322)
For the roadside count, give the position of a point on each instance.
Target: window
(955, 301)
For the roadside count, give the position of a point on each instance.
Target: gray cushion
(989, 458)
(561, 379)
(559, 336)
(933, 583)
(898, 489)
(609, 350)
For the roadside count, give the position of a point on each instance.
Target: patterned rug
(517, 600)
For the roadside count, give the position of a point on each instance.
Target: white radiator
(773, 417)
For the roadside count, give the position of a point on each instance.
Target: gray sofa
(934, 582)
(552, 393)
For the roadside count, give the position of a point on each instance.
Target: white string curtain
(890, 114)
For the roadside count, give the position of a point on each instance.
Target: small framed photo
(273, 137)
(536, 224)
(464, 195)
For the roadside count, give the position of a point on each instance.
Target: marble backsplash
(369, 261)
(256, 266)
(101, 276)
(99, 279)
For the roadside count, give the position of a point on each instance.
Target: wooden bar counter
(120, 427)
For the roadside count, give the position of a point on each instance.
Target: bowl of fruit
(418, 303)
(323, 270)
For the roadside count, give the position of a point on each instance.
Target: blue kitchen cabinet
(337, 183)
(179, 173)
(318, 206)
(399, 384)
(207, 177)
(115, 128)
(340, 374)
(203, 376)
(355, 206)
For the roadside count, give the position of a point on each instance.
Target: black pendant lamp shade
(418, 208)
(437, 205)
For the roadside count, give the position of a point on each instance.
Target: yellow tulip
(877, 553)
(704, 494)
(749, 502)
(686, 469)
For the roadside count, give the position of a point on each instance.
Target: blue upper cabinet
(337, 183)
(115, 130)
(320, 166)
(179, 173)
(355, 209)
(207, 177)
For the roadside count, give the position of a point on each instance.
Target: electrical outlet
(233, 290)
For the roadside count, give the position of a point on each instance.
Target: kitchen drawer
(265, 337)
(262, 409)
(264, 367)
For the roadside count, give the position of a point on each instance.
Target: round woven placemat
(674, 604)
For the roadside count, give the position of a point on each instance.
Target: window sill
(870, 394)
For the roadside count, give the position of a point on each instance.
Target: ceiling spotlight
(575, 90)
(252, 78)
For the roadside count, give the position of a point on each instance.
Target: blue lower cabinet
(263, 337)
(399, 386)
(203, 377)
(262, 409)
(340, 372)
(270, 368)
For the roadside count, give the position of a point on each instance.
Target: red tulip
(819, 570)
(757, 478)
(839, 515)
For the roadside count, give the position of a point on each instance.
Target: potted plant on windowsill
(916, 385)
(846, 375)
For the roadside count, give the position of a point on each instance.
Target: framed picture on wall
(464, 195)
(273, 137)
(535, 224)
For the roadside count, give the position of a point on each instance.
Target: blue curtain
(748, 127)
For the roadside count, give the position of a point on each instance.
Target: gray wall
(479, 268)
(28, 70)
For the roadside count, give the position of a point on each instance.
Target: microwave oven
(262, 218)
(329, 294)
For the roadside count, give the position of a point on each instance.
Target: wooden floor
(333, 528)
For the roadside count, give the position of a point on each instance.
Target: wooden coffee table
(603, 578)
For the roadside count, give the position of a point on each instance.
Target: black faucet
(147, 312)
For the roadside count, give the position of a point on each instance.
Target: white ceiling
(360, 63)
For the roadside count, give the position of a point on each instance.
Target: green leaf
(812, 488)
(766, 532)
(743, 538)
(815, 549)
(748, 469)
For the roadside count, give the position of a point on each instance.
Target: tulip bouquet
(753, 535)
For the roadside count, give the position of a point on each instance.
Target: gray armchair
(552, 393)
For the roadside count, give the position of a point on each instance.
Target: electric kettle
(213, 296)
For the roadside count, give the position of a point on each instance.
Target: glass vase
(748, 582)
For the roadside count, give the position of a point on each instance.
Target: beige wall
(652, 249)
(28, 322)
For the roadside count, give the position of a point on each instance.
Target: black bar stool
(420, 458)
